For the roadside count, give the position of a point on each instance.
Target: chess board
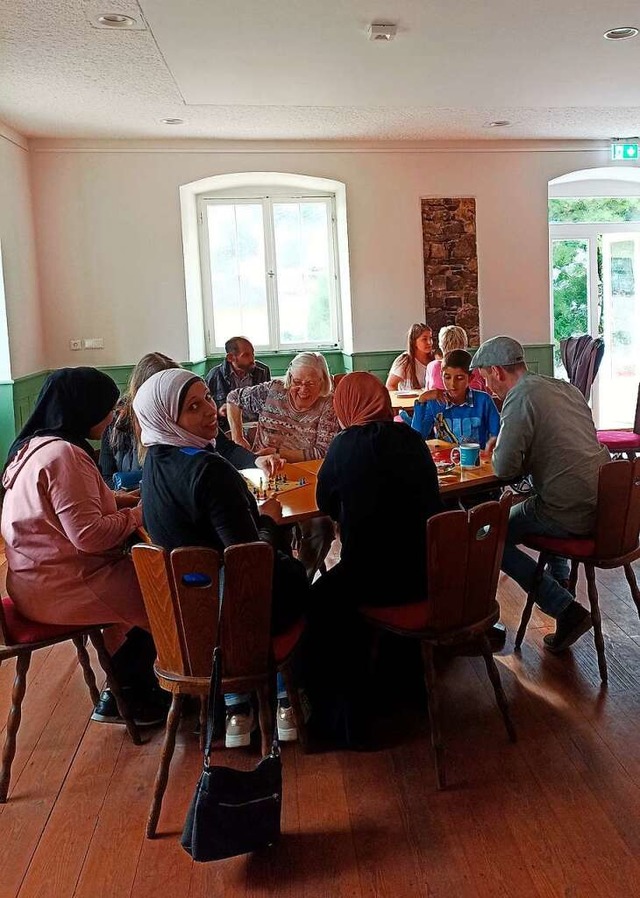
(263, 487)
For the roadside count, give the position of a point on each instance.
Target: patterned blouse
(281, 425)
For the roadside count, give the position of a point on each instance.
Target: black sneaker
(145, 713)
(570, 625)
(106, 711)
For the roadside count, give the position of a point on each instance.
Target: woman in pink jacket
(64, 530)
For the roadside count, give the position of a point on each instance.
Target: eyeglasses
(304, 383)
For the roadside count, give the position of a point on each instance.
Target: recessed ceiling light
(172, 121)
(499, 123)
(379, 31)
(621, 34)
(116, 20)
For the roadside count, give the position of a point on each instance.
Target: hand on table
(272, 509)
(487, 452)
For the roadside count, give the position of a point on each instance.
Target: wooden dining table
(300, 504)
(404, 399)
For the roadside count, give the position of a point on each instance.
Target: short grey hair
(313, 360)
(452, 337)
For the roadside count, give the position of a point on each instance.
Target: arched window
(270, 253)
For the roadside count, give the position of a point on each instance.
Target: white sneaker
(287, 729)
(238, 729)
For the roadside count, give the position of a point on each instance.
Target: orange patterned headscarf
(360, 398)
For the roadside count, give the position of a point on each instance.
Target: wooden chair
(626, 442)
(19, 639)
(181, 595)
(464, 551)
(614, 544)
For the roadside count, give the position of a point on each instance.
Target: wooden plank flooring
(556, 814)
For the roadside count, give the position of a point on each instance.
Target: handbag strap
(213, 705)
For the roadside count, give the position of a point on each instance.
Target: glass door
(620, 369)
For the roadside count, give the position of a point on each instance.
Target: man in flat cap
(548, 434)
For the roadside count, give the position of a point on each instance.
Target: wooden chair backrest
(618, 510)
(180, 593)
(246, 610)
(464, 552)
(636, 420)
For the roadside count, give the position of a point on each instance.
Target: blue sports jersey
(474, 421)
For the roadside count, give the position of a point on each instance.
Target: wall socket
(94, 343)
(75, 344)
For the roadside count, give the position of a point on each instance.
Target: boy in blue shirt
(462, 415)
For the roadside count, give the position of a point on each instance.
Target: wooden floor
(557, 814)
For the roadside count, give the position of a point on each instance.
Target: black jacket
(195, 497)
(379, 482)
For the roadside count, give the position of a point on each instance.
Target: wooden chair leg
(265, 718)
(23, 661)
(123, 706)
(531, 597)
(633, 585)
(294, 698)
(494, 676)
(162, 776)
(87, 670)
(592, 592)
(573, 577)
(433, 706)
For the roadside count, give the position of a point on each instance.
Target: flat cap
(500, 350)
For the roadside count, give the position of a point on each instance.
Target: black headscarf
(71, 402)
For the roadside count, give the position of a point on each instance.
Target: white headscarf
(156, 405)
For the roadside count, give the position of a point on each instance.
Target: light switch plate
(75, 344)
(94, 343)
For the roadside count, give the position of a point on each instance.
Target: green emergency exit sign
(621, 151)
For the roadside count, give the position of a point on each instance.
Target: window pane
(620, 370)
(570, 294)
(596, 209)
(238, 290)
(301, 232)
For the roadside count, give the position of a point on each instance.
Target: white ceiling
(304, 69)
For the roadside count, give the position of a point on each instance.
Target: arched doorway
(594, 234)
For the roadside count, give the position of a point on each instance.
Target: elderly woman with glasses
(295, 416)
(296, 419)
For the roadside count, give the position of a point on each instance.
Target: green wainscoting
(18, 398)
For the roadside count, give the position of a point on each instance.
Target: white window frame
(214, 344)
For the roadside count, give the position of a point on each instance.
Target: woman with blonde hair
(409, 369)
(449, 338)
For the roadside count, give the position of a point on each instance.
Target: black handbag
(232, 811)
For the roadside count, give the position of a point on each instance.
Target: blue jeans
(244, 698)
(551, 598)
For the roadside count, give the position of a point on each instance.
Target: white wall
(110, 254)
(19, 260)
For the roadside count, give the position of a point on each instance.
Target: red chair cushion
(402, 617)
(21, 631)
(285, 643)
(619, 440)
(572, 547)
